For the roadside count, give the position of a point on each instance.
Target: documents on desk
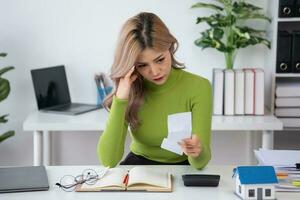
(139, 178)
(179, 127)
(284, 161)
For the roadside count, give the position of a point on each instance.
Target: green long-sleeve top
(182, 92)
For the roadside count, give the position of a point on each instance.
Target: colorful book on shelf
(139, 178)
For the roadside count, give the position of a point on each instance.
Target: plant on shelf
(4, 92)
(228, 32)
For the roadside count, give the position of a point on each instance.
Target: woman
(150, 85)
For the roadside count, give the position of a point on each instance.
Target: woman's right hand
(125, 84)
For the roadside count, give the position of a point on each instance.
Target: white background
(82, 36)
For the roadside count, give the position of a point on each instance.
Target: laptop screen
(50, 86)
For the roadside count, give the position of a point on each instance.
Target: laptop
(52, 92)
(23, 179)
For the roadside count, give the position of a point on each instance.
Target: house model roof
(256, 174)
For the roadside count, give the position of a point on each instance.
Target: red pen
(125, 181)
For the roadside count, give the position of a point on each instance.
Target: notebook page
(145, 175)
(114, 177)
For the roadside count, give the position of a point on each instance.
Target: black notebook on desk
(23, 179)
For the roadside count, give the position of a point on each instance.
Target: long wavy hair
(144, 30)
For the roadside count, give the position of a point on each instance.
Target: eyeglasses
(88, 176)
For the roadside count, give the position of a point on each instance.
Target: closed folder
(297, 8)
(284, 52)
(286, 8)
(296, 52)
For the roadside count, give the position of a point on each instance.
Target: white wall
(82, 35)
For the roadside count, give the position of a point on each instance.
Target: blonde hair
(145, 30)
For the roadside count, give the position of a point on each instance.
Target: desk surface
(96, 120)
(223, 192)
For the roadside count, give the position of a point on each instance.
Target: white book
(249, 91)
(218, 89)
(288, 89)
(287, 112)
(239, 92)
(259, 96)
(287, 102)
(290, 122)
(229, 92)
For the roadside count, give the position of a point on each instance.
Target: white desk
(225, 190)
(43, 123)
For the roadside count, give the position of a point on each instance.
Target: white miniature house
(255, 182)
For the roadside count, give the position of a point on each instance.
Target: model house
(255, 182)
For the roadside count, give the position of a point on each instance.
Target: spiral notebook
(139, 178)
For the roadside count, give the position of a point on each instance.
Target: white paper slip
(179, 122)
(171, 145)
(179, 128)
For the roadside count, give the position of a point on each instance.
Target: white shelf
(290, 19)
(96, 121)
(287, 75)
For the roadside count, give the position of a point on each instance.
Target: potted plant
(4, 92)
(227, 32)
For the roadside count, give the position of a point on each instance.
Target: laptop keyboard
(66, 107)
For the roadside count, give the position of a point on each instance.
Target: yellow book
(139, 178)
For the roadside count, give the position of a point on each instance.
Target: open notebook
(139, 178)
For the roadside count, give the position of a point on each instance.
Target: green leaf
(225, 2)
(253, 40)
(240, 33)
(3, 54)
(206, 5)
(6, 135)
(2, 119)
(247, 16)
(217, 20)
(4, 89)
(242, 7)
(250, 30)
(207, 41)
(5, 69)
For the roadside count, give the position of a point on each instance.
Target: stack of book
(238, 92)
(287, 103)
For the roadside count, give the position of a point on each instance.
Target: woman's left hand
(191, 146)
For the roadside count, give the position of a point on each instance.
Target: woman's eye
(160, 60)
(141, 65)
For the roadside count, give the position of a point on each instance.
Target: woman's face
(154, 66)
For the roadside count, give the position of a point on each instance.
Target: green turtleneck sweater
(182, 92)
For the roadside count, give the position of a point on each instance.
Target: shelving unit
(272, 34)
